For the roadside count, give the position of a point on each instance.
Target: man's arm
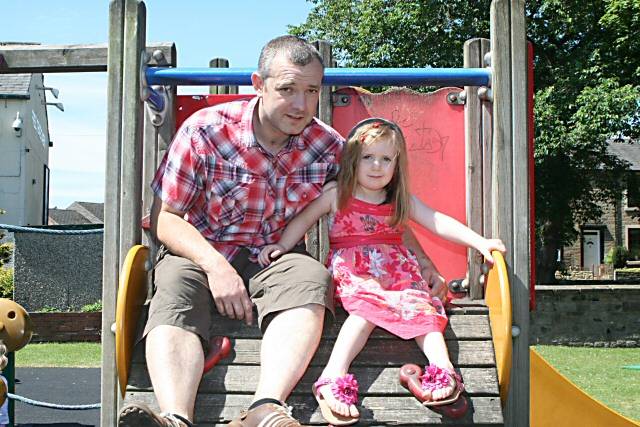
(428, 270)
(183, 239)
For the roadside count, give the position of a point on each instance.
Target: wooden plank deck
(228, 388)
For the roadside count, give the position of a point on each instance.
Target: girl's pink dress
(376, 277)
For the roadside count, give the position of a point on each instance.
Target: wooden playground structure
(488, 336)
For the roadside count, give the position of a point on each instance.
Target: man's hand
(270, 252)
(230, 294)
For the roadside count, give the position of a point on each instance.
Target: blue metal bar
(332, 76)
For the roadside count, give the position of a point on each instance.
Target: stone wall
(628, 274)
(57, 271)
(66, 327)
(587, 315)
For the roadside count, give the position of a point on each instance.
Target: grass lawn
(599, 372)
(65, 355)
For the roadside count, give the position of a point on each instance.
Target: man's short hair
(298, 51)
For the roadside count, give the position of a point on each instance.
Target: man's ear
(257, 82)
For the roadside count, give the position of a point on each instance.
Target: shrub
(6, 250)
(617, 256)
(6, 282)
(92, 308)
(47, 309)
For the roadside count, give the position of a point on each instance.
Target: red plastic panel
(434, 130)
(186, 105)
(435, 138)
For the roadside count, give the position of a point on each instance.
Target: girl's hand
(270, 252)
(435, 280)
(489, 245)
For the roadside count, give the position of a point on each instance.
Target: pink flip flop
(434, 378)
(345, 390)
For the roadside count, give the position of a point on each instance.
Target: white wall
(22, 158)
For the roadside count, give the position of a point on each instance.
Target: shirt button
(305, 195)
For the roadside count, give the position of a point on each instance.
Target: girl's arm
(299, 225)
(452, 230)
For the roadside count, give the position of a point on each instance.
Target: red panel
(186, 105)
(434, 130)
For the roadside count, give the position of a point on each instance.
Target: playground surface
(57, 385)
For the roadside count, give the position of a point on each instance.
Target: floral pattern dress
(376, 277)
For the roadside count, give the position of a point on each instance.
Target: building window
(633, 242)
(633, 190)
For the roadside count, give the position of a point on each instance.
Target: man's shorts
(182, 296)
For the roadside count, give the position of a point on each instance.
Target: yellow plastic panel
(132, 293)
(498, 299)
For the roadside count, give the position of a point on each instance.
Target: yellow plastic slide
(556, 401)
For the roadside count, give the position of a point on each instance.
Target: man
(235, 174)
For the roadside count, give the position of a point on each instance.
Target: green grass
(599, 372)
(66, 355)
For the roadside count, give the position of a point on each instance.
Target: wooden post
(317, 237)
(487, 155)
(168, 128)
(220, 90)
(133, 44)
(111, 242)
(132, 126)
(156, 142)
(518, 404)
(473, 154)
(510, 184)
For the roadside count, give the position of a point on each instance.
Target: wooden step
(228, 388)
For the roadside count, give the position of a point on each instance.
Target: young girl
(377, 279)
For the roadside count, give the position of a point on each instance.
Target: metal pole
(332, 76)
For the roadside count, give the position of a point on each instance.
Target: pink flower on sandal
(435, 378)
(345, 389)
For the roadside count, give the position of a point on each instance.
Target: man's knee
(308, 269)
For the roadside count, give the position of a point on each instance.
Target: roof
(94, 211)
(15, 85)
(65, 217)
(78, 213)
(629, 151)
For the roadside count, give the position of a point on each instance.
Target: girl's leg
(351, 339)
(434, 347)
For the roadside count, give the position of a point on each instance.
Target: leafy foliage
(587, 69)
(6, 251)
(617, 256)
(92, 308)
(6, 282)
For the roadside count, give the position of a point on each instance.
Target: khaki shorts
(182, 297)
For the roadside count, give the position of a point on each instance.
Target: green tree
(587, 68)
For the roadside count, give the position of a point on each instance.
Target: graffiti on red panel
(419, 136)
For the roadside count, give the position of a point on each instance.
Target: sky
(201, 30)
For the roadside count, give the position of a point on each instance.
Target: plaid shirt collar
(248, 137)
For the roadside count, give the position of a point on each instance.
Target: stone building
(619, 224)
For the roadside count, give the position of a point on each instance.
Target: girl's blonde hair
(367, 132)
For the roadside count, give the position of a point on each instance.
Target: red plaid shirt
(232, 190)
